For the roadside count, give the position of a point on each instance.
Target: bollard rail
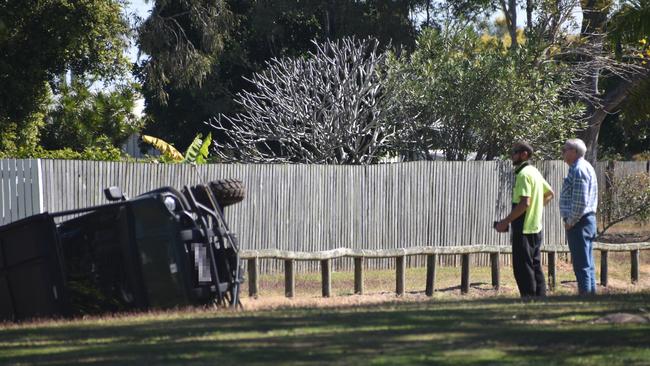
(360, 255)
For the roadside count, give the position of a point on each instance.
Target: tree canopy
(457, 79)
(39, 42)
(259, 31)
(466, 96)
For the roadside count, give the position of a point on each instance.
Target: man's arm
(517, 211)
(548, 196)
(578, 201)
(548, 192)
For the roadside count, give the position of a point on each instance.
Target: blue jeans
(581, 242)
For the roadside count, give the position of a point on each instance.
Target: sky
(140, 8)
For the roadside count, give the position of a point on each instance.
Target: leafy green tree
(604, 55)
(39, 41)
(198, 151)
(462, 95)
(185, 72)
(182, 40)
(80, 117)
(625, 131)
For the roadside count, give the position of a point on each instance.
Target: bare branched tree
(326, 108)
(626, 197)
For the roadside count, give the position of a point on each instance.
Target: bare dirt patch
(622, 318)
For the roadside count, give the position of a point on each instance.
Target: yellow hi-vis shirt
(529, 182)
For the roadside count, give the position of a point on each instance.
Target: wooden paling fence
(315, 208)
(20, 189)
(253, 258)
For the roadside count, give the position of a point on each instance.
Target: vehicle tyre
(227, 191)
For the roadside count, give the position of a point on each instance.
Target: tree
(259, 31)
(463, 95)
(626, 197)
(626, 133)
(182, 40)
(80, 117)
(184, 74)
(327, 108)
(628, 25)
(197, 152)
(39, 42)
(606, 70)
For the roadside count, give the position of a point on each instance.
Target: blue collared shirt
(579, 192)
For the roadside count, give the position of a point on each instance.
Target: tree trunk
(611, 101)
(510, 12)
(593, 30)
(330, 19)
(529, 14)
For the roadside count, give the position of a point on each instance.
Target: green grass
(486, 327)
(493, 331)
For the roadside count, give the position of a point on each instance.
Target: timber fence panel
(630, 167)
(13, 195)
(317, 207)
(20, 189)
(554, 173)
(5, 193)
(36, 186)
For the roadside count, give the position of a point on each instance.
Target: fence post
(289, 278)
(326, 270)
(494, 262)
(634, 254)
(253, 274)
(400, 272)
(552, 267)
(431, 274)
(603, 267)
(464, 278)
(358, 275)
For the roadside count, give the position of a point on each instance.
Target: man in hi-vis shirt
(529, 196)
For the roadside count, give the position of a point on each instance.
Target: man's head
(521, 151)
(573, 150)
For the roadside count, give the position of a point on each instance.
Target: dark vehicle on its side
(161, 249)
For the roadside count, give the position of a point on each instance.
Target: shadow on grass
(557, 330)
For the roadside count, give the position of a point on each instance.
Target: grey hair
(577, 144)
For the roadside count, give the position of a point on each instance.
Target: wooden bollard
(431, 274)
(326, 271)
(400, 275)
(464, 277)
(552, 271)
(634, 258)
(494, 264)
(253, 274)
(289, 278)
(603, 267)
(358, 275)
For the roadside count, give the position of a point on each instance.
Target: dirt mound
(622, 318)
(624, 237)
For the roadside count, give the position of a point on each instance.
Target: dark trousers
(527, 260)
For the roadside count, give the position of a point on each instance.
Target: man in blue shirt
(578, 204)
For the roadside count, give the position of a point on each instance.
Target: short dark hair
(521, 146)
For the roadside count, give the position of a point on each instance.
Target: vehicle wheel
(227, 191)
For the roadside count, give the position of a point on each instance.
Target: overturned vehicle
(161, 249)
